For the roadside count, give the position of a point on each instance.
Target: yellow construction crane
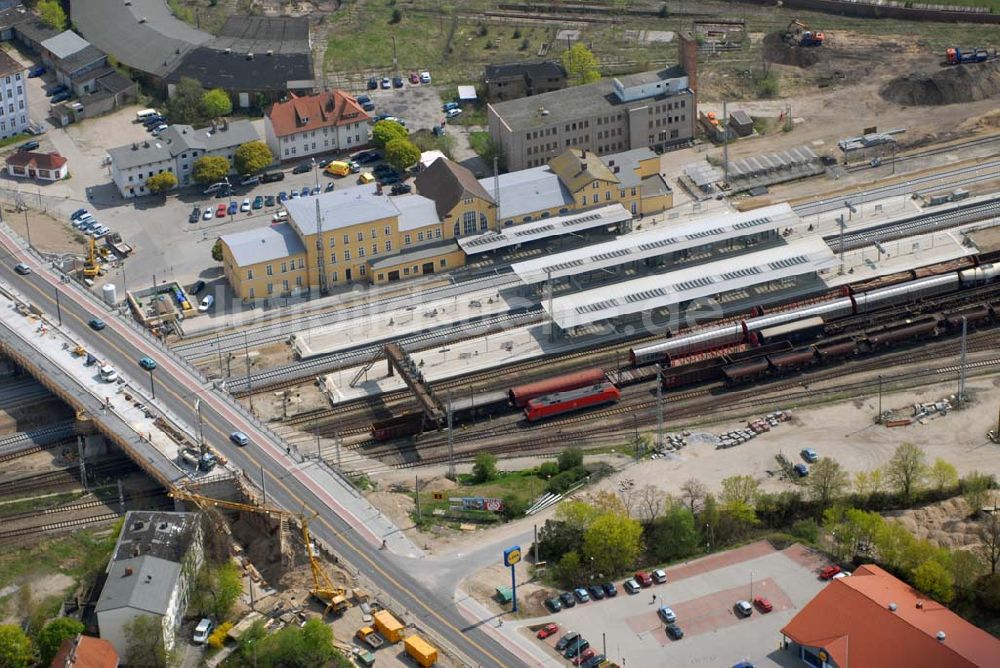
(333, 597)
(91, 268)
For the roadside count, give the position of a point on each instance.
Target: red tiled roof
(51, 161)
(851, 620)
(85, 652)
(326, 109)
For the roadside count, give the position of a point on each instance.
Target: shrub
(806, 530)
(218, 637)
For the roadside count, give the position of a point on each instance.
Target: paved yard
(702, 594)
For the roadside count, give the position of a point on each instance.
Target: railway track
(62, 477)
(35, 440)
(981, 141)
(11, 535)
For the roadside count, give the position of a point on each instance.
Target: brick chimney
(688, 56)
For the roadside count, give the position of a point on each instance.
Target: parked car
(29, 146)
(108, 373)
(553, 604)
(160, 129)
(801, 470)
(414, 78)
(233, 208)
(743, 664)
(666, 614)
(594, 661)
(282, 197)
(279, 217)
(762, 604)
(272, 177)
(828, 572)
(372, 83)
(566, 640)
(585, 655)
(305, 192)
(367, 156)
(195, 215)
(448, 106)
(809, 455)
(425, 77)
(258, 202)
(147, 363)
(208, 213)
(576, 647)
(567, 599)
(302, 168)
(644, 579)
(220, 211)
(202, 631)
(97, 324)
(397, 82)
(743, 609)
(361, 99)
(197, 287)
(547, 630)
(674, 632)
(61, 97)
(386, 83)
(77, 214)
(324, 162)
(239, 438)
(452, 113)
(610, 589)
(206, 303)
(315, 191)
(368, 106)
(401, 189)
(841, 575)
(245, 207)
(631, 586)
(659, 576)
(596, 592)
(581, 595)
(36, 71)
(269, 200)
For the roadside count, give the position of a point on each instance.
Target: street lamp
(152, 385)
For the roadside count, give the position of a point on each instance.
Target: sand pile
(948, 85)
(946, 524)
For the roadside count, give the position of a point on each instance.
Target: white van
(144, 114)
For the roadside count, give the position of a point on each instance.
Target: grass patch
(479, 141)
(25, 505)
(181, 11)
(24, 136)
(82, 555)
(525, 485)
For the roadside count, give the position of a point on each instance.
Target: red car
(828, 572)
(762, 604)
(414, 78)
(548, 630)
(220, 211)
(644, 579)
(585, 655)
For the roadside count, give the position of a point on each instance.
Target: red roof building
(42, 166)
(327, 122)
(85, 652)
(875, 619)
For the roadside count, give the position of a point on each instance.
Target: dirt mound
(946, 524)
(951, 85)
(776, 50)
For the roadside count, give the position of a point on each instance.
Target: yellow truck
(388, 626)
(367, 635)
(338, 168)
(421, 651)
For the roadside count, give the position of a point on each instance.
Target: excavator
(91, 266)
(333, 597)
(798, 33)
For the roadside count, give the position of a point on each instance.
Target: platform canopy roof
(555, 226)
(796, 258)
(673, 237)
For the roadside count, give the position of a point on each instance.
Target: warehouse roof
(875, 619)
(654, 292)
(83, 58)
(643, 245)
(65, 44)
(263, 244)
(555, 226)
(237, 71)
(143, 34)
(527, 191)
(260, 34)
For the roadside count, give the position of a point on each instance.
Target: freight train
(747, 331)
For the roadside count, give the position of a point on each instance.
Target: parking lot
(702, 594)
(418, 105)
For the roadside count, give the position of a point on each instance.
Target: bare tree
(651, 503)
(989, 532)
(629, 496)
(693, 491)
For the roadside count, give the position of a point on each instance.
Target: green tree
(397, 16)
(943, 475)
(907, 469)
(52, 635)
(484, 468)
(52, 14)
(739, 489)
(853, 530)
(988, 593)
(295, 647)
(827, 481)
(401, 153)
(674, 535)
(217, 250)
(612, 542)
(975, 489)
(709, 518)
(580, 64)
(384, 132)
(570, 458)
(144, 642)
(215, 103)
(210, 169)
(514, 506)
(161, 183)
(221, 586)
(555, 539)
(252, 157)
(568, 570)
(184, 105)
(894, 544)
(15, 647)
(577, 514)
(966, 568)
(934, 580)
(806, 530)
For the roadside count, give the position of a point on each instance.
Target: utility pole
(27, 229)
(961, 368)
(83, 465)
(635, 428)
(536, 545)
(246, 356)
(218, 347)
(843, 226)
(659, 407)
(201, 424)
(58, 308)
(451, 444)
(552, 315)
(725, 145)
(879, 418)
(320, 262)
(337, 442)
(416, 493)
(263, 488)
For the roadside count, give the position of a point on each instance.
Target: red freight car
(522, 394)
(564, 402)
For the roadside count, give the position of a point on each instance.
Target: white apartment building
(14, 113)
(175, 150)
(313, 124)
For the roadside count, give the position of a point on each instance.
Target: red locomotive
(572, 400)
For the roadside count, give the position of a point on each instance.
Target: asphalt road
(177, 390)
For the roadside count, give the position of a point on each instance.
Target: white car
(108, 373)
(206, 303)
(841, 574)
(245, 208)
(202, 631)
(279, 217)
(209, 213)
(425, 77)
(452, 113)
